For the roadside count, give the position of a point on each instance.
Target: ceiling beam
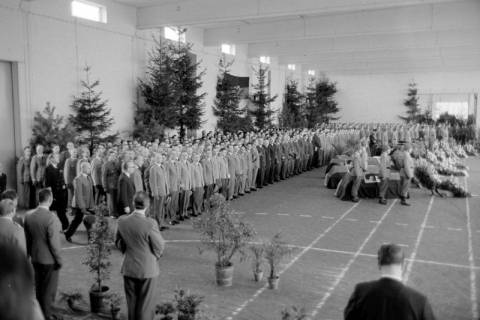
(190, 12)
(334, 45)
(434, 17)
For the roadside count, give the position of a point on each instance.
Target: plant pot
(98, 299)
(273, 283)
(258, 276)
(115, 313)
(224, 276)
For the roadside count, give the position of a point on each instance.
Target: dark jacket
(126, 191)
(42, 231)
(54, 179)
(387, 299)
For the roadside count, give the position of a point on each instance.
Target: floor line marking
(262, 213)
(454, 229)
(417, 242)
(471, 260)
(401, 224)
(350, 219)
(445, 264)
(350, 262)
(305, 216)
(287, 266)
(373, 221)
(283, 214)
(325, 217)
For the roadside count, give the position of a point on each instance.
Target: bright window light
(457, 109)
(228, 49)
(172, 33)
(89, 10)
(265, 59)
(291, 67)
(311, 72)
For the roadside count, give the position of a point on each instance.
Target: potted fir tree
(187, 304)
(225, 234)
(98, 258)
(275, 250)
(258, 261)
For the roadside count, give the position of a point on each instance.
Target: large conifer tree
(411, 103)
(261, 98)
(321, 105)
(169, 92)
(91, 116)
(293, 106)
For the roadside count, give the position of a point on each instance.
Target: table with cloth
(338, 177)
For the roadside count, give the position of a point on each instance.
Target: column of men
(176, 176)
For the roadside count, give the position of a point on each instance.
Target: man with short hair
(139, 238)
(10, 231)
(84, 201)
(388, 298)
(54, 179)
(42, 229)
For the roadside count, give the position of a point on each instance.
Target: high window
(291, 67)
(228, 49)
(174, 34)
(89, 11)
(265, 59)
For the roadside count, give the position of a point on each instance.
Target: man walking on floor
(139, 238)
(42, 231)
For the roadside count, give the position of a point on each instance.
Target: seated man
(388, 298)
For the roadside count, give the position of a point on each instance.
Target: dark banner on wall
(242, 82)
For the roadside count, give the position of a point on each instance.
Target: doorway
(7, 124)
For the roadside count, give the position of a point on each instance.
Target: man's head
(86, 168)
(10, 194)
(129, 167)
(45, 197)
(391, 259)
(7, 208)
(141, 200)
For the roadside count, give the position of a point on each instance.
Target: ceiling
(334, 35)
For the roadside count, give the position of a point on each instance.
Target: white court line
(401, 224)
(74, 247)
(325, 217)
(402, 245)
(350, 219)
(417, 242)
(373, 221)
(471, 261)
(350, 262)
(262, 213)
(454, 229)
(259, 291)
(283, 214)
(305, 216)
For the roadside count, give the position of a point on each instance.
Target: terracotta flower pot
(258, 276)
(224, 276)
(273, 283)
(98, 299)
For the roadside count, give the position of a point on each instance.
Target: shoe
(382, 201)
(69, 239)
(404, 203)
(355, 199)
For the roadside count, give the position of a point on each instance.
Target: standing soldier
(261, 162)
(406, 173)
(110, 174)
(159, 187)
(37, 170)
(357, 172)
(174, 182)
(185, 185)
(384, 165)
(198, 185)
(232, 164)
(24, 179)
(97, 164)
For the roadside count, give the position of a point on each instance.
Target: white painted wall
(379, 97)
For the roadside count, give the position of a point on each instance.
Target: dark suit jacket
(11, 232)
(54, 179)
(126, 191)
(387, 299)
(42, 231)
(140, 240)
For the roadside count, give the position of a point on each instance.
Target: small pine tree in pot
(258, 260)
(276, 249)
(98, 258)
(225, 234)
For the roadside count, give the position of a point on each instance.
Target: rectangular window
(291, 67)
(265, 59)
(228, 49)
(174, 34)
(311, 73)
(89, 11)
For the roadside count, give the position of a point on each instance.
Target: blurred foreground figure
(17, 299)
(388, 298)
